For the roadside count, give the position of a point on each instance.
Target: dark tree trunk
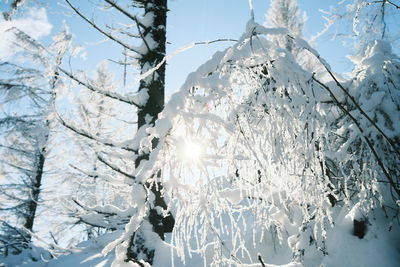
(147, 115)
(32, 203)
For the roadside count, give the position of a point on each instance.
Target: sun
(191, 151)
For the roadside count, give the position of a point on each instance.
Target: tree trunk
(147, 115)
(34, 194)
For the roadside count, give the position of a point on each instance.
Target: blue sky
(189, 21)
(194, 20)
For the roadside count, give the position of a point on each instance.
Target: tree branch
(179, 50)
(115, 168)
(81, 220)
(134, 18)
(369, 143)
(110, 36)
(353, 101)
(261, 260)
(82, 171)
(94, 89)
(91, 137)
(123, 11)
(17, 150)
(90, 209)
(385, 2)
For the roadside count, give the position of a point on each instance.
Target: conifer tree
(29, 94)
(286, 14)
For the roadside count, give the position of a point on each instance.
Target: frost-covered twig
(123, 11)
(346, 92)
(251, 9)
(82, 171)
(94, 209)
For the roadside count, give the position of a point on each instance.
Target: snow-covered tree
(362, 21)
(28, 94)
(91, 185)
(259, 131)
(365, 130)
(368, 133)
(286, 14)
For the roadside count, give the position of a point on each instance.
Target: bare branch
(385, 2)
(142, 36)
(29, 153)
(90, 209)
(261, 260)
(115, 168)
(123, 11)
(112, 95)
(123, 31)
(82, 171)
(216, 41)
(91, 137)
(91, 22)
(22, 169)
(134, 18)
(82, 220)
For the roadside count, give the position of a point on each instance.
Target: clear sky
(199, 20)
(189, 21)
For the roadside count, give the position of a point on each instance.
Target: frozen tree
(280, 155)
(365, 131)
(362, 21)
(154, 40)
(225, 108)
(29, 95)
(90, 187)
(368, 133)
(286, 14)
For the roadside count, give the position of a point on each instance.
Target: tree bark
(148, 114)
(35, 192)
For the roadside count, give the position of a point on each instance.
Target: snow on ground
(379, 248)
